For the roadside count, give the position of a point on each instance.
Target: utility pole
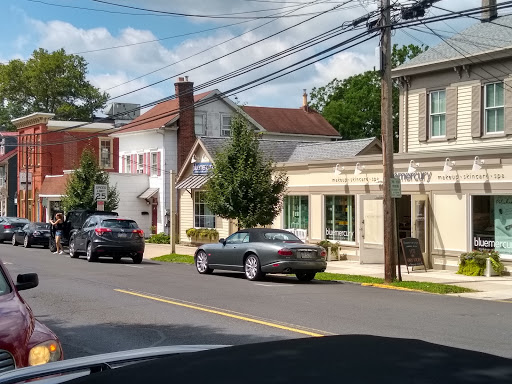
(387, 141)
(172, 211)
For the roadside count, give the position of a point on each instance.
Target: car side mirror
(223, 241)
(27, 281)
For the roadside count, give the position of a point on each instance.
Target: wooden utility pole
(387, 141)
(172, 211)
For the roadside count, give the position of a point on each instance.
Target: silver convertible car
(258, 251)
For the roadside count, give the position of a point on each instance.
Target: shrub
(326, 244)
(202, 233)
(161, 238)
(474, 263)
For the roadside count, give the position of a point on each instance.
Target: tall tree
(80, 185)
(244, 184)
(352, 105)
(48, 82)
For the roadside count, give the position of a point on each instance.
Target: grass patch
(417, 285)
(175, 258)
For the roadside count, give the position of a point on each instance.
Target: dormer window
(437, 109)
(225, 129)
(494, 108)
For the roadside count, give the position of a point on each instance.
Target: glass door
(371, 233)
(419, 223)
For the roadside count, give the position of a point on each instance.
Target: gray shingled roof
(477, 39)
(282, 151)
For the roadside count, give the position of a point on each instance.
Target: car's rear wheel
(138, 259)
(202, 263)
(13, 241)
(26, 242)
(252, 268)
(91, 256)
(72, 249)
(305, 276)
(52, 245)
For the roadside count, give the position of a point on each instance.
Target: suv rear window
(119, 223)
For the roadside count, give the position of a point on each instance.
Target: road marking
(222, 313)
(133, 266)
(274, 285)
(6, 263)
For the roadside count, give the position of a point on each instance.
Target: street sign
(395, 187)
(100, 205)
(100, 192)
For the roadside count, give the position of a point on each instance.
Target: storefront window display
(340, 218)
(492, 224)
(296, 212)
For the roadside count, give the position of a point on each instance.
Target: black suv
(74, 221)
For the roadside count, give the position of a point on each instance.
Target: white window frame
(128, 163)
(197, 193)
(495, 108)
(153, 161)
(437, 115)
(225, 132)
(202, 117)
(111, 152)
(140, 163)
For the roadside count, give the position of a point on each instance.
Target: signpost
(411, 250)
(395, 186)
(100, 195)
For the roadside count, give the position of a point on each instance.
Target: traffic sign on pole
(100, 192)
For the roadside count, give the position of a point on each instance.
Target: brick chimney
(184, 90)
(305, 101)
(489, 10)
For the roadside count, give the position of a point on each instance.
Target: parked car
(258, 251)
(8, 225)
(74, 220)
(24, 341)
(32, 234)
(111, 236)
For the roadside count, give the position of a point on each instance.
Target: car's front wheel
(252, 268)
(72, 249)
(305, 276)
(137, 259)
(26, 242)
(13, 241)
(91, 256)
(202, 263)
(53, 247)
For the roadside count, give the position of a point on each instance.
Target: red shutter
(123, 160)
(146, 163)
(158, 163)
(134, 164)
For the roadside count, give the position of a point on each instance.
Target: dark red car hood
(16, 325)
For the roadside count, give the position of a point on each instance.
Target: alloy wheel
(252, 268)
(26, 242)
(202, 263)
(90, 255)
(13, 241)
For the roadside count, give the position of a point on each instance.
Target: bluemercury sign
(339, 235)
(202, 168)
(424, 177)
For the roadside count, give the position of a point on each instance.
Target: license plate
(306, 254)
(122, 235)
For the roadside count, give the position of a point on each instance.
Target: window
(281, 236)
(140, 163)
(491, 218)
(200, 123)
(237, 238)
(225, 128)
(296, 212)
(203, 217)
(437, 113)
(128, 164)
(2, 176)
(154, 164)
(2, 147)
(340, 218)
(106, 153)
(38, 149)
(494, 108)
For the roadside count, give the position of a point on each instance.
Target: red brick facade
(184, 90)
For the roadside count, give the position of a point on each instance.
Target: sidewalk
(490, 288)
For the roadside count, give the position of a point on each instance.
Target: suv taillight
(139, 231)
(285, 252)
(101, 231)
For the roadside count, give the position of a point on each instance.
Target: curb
(385, 286)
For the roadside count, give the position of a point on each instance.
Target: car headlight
(44, 353)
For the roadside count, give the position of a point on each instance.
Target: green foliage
(161, 238)
(244, 185)
(202, 233)
(80, 185)
(353, 105)
(326, 244)
(48, 82)
(175, 258)
(191, 232)
(474, 263)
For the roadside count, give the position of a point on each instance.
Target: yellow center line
(221, 313)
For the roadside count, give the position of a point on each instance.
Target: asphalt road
(108, 306)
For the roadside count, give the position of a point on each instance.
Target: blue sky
(27, 25)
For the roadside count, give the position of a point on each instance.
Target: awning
(148, 193)
(193, 182)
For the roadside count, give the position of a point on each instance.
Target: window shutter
(422, 117)
(123, 161)
(146, 163)
(451, 113)
(133, 165)
(476, 111)
(158, 164)
(507, 88)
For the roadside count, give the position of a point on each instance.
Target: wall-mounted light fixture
(448, 165)
(193, 159)
(338, 169)
(477, 164)
(412, 166)
(358, 169)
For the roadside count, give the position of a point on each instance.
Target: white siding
(222, 226)
(186, 214)
(449, 212)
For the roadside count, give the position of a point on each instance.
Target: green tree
(80, 185)
(352, 105)
(48, 82)
(244, 184)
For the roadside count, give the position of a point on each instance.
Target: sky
(128, 50)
